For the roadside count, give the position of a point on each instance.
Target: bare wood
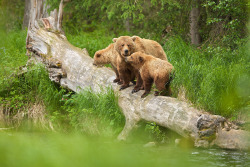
(26, 14)
(60, 14)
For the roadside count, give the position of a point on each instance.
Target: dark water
(218, 157)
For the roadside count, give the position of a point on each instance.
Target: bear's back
(150, 47)
(156, 67)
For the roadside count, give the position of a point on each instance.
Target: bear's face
(124, 45)
(136, 59)
(100, 59)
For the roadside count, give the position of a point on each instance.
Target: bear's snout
(126, 51)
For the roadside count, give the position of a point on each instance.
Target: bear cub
(152, 70)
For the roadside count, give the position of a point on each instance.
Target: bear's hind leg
(126, 79)
(160, 86)
(139, 82)
(147, 86)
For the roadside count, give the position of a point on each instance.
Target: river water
(194, 157)
(218, 157)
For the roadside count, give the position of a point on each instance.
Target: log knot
(55, 74)
(208, 125)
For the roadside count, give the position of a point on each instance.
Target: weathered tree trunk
(72, 68)
(26, 14)
(194, 23)
(39, 9)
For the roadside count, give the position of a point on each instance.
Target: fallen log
(73, 68)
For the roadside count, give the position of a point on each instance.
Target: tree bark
(194, 23)
(26, 14)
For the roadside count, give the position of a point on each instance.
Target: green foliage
(19, 91)
(156, 132)
(11, 14)
(226, 20)
(214, 78)
(92, 41)
(12, 52)
(99, 110)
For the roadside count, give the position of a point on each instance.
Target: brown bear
(152, 70)
(109, 56)
(125, 46)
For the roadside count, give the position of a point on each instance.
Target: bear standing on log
(125, 46)
(109, 56)
(152, 70)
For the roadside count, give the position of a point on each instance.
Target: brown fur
(126, 46)
(152, 70)
(149, 47)
(109, 56)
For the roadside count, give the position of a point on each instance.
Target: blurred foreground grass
(52, 149)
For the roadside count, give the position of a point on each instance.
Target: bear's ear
(133, 38)
(141, 59)
(98, 55)
(114, 39)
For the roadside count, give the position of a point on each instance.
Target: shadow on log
(72, 68)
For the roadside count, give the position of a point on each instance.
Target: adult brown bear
(125, 46)
(109, 55)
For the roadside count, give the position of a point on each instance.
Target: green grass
(12, 53)
(95, 113)
(86, 112)
(93, 41)
(215, 79)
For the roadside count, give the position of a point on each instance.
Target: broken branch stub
(73, 68)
